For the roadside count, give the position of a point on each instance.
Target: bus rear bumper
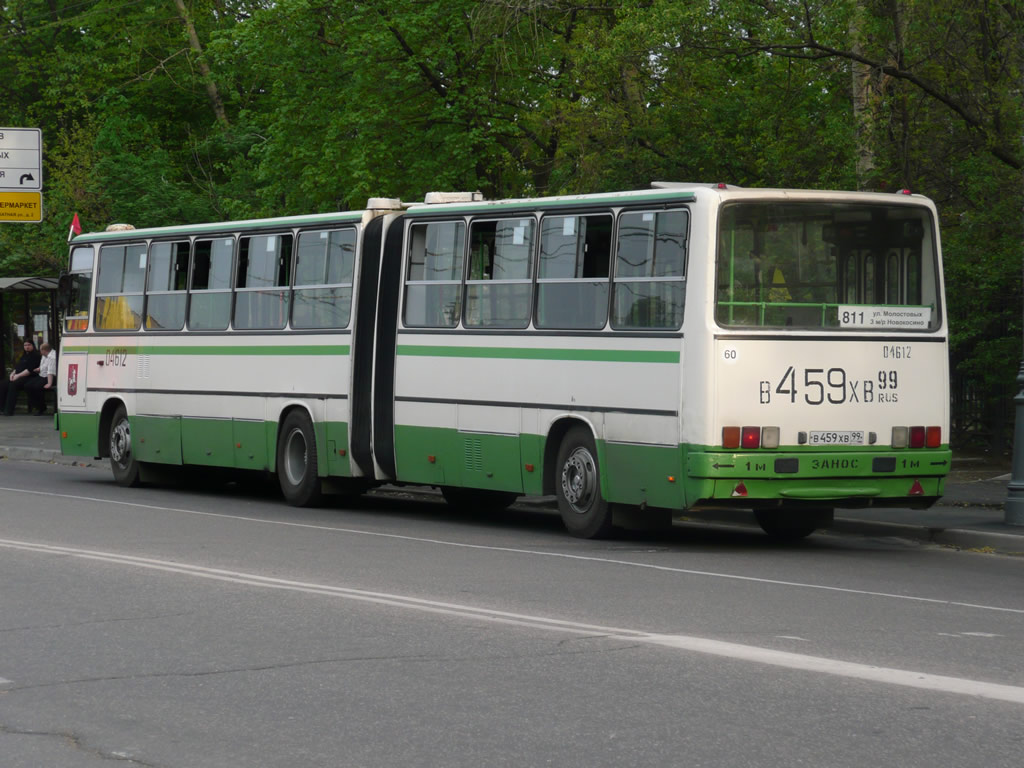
(840, 479)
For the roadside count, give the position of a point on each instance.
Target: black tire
(793, 524)
(478, 499)
(585, 512)
(127, 471)
(297, 470)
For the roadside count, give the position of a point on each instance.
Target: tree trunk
(211, 86)
(865, 102)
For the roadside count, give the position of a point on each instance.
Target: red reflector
(916, 489)
(906, 192)
(933, 437)
(722, 185)
(917, 437)
(751, 437)
(730, 437)
(739, 490)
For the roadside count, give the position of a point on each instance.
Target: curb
(994, 542)
(991, 542)
(37, 454)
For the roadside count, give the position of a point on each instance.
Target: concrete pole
(1013, 509)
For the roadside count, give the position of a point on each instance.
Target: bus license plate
(825, 437)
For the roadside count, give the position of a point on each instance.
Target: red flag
(76, 228)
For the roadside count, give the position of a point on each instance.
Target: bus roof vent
(119, 228)
(690, 185)
(384, 204)
(436, 198)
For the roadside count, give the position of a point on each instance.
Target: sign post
(21, 175)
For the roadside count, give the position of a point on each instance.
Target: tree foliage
(164, 111)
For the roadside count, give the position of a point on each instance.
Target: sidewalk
(969, 516)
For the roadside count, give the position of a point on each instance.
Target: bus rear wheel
(297, 461)
(585, 512)
(793, 524)
(127, 471)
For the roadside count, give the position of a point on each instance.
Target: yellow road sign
(21, 206)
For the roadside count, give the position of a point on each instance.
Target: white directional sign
(21, 159)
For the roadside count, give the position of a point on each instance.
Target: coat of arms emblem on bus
(72, 379)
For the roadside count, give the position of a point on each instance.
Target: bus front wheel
(793, 524)
(297, 461)
(122, 461)
(585, 512)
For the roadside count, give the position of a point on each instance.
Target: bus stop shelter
(28, 308)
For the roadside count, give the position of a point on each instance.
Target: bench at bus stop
(49, 399)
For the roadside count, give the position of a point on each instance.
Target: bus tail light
(750, 437)
(916, 437)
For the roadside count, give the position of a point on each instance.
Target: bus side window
(119, 287)
(324, 265)
(209, 306)
(572, 280)
(261, 295)
(76, 318)
(166, 286)
(498, 288)
(433, 284)
(650, 270)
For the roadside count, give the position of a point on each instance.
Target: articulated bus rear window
(852, 266)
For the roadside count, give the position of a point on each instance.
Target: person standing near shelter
(36, 387)
(24, 369)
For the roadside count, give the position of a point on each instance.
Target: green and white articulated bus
(636, 354)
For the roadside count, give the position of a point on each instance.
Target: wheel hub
(121, 442)
(295, 457)
(579, 480)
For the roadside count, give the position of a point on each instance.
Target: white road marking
(5, 681)
(520, 551)
(736, 651)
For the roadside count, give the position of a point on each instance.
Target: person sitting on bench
(24, 369)
(36, 387)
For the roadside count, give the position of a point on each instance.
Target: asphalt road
(215, 626)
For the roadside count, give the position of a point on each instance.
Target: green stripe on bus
(526, 353)
(234, 349)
